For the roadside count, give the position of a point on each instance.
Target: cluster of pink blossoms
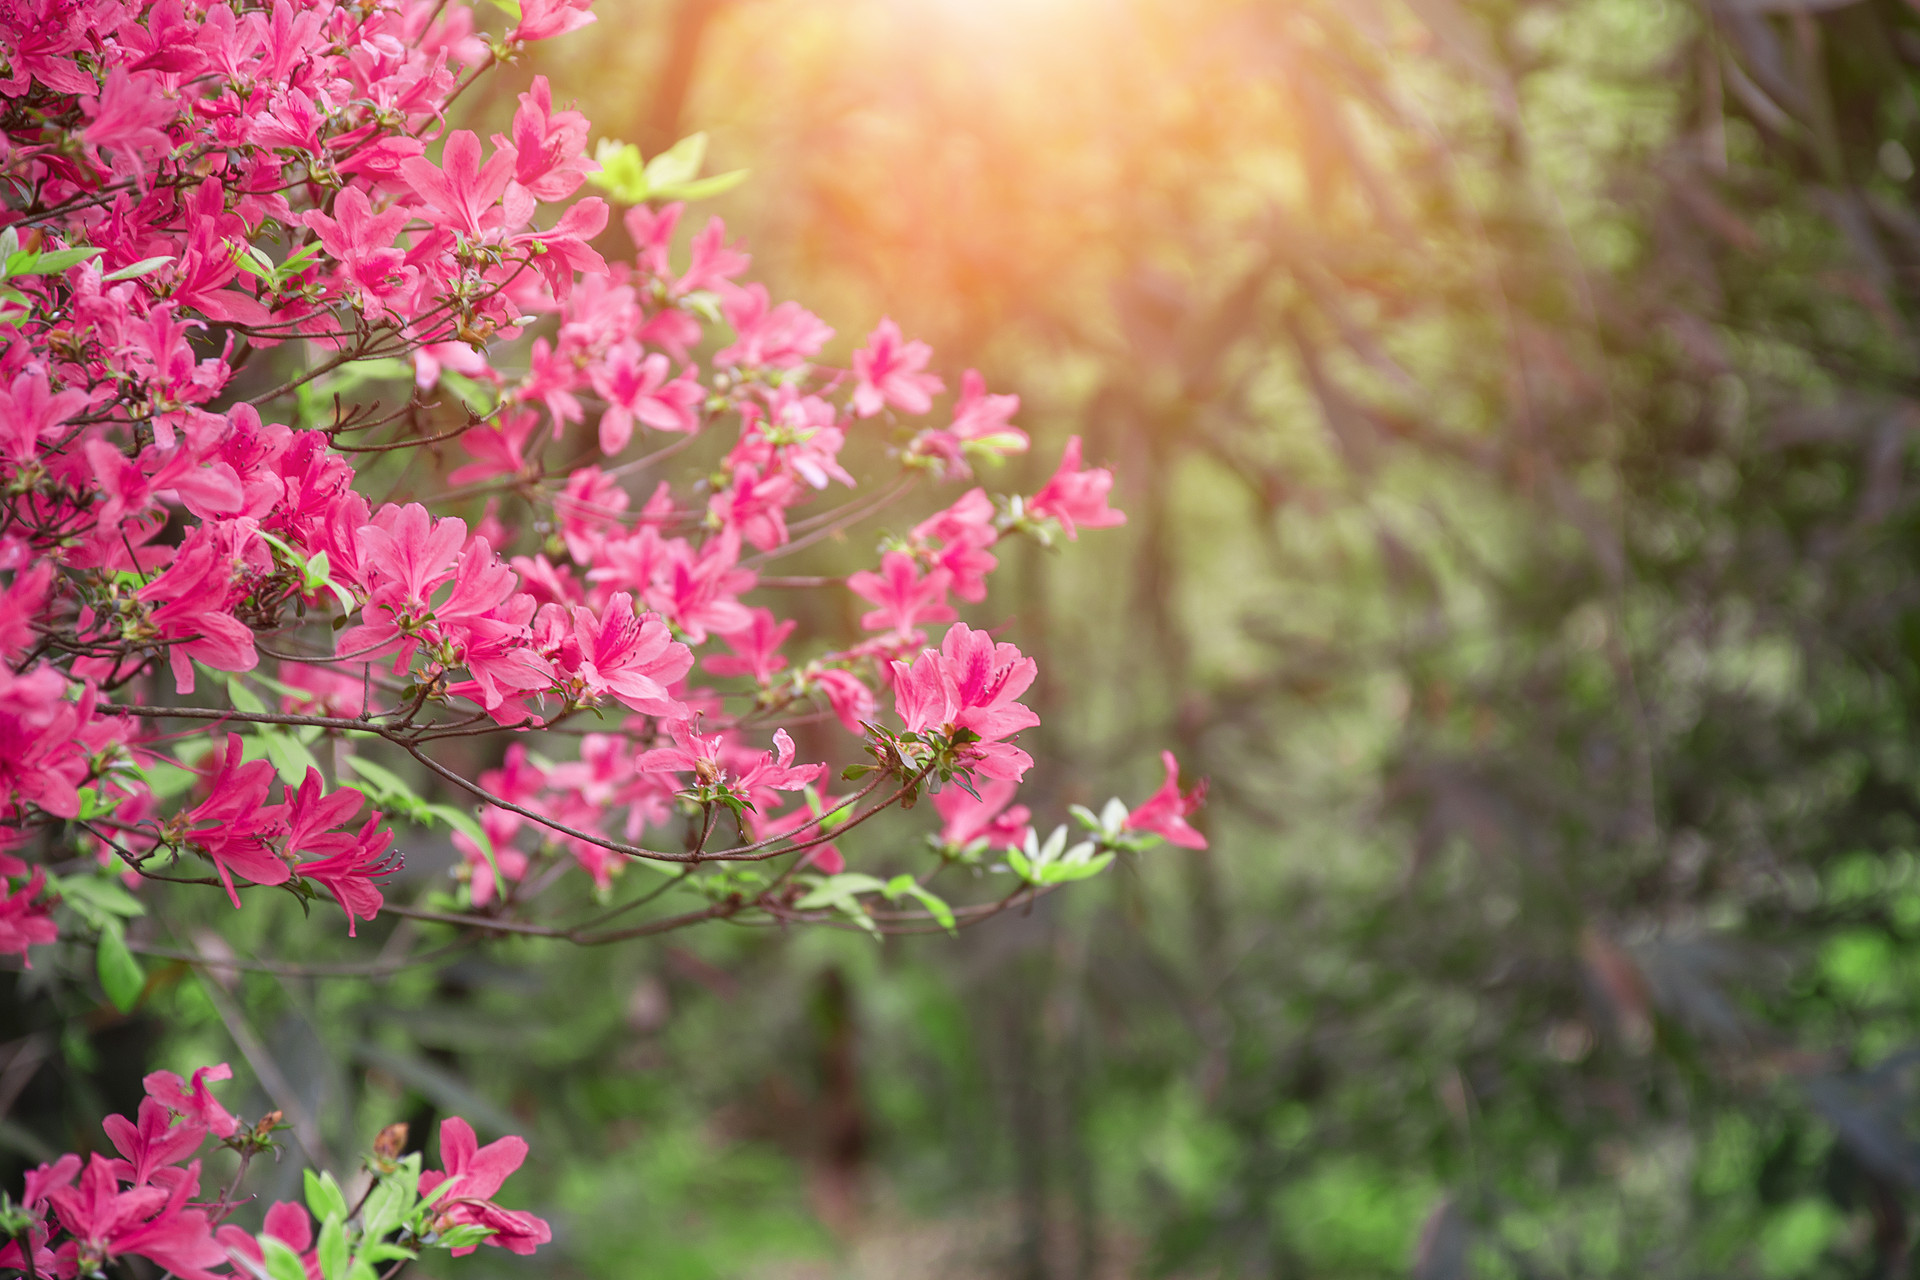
(251, 276)
(77, 1217)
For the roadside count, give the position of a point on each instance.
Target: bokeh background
(1514, 403)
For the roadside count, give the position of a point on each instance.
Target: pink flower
(286, 1222)
(980, 420)
(405, 555)
(800, 435)
(705, 756)
(699, 592)
(970, 683)
(477, 1173)
(545, 19)
(1165, 812)
(499, 449)
(1076, 497)
(194, 1102)
(512, 862)
(713, 262)
(966, 819)
(354, 867)
(592, 504)
(651, 231)
(485, 624)
(317, 691)
(755, 504)
(852, 701)
(784, 337)
(206, 491)
(632, 658)
(963, 533)
(756, 648)
(561, 251)
(149, 1222)
(350, 863)
(153, 1143)
(549, 146)
(370, 266)
(26, 919)
(191, 608)
(43, 747)
(129, 117)
(233, 825)
(905, 598)
(30, 411)
(888, 371)
(979, 416)
(636, 386)
(460, 192)
(551, 380)
(775, 769)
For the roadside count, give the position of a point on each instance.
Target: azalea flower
(1165, 812)
(632, 658)
(906, 598)
(990, 815)
(888, 371)
(234, 826)
(477, 1174)
(970, 683)
(1077, 498)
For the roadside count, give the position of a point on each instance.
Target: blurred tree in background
(1515, 405)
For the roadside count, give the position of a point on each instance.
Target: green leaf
(623, 174)
(994, 447)
(467, 825)
(907, 886)
(428, 1200)
(388, 1205)
(1065, 872)
(317, 572)
(167, 779)
(477, 396)
(678, 164)
(509, 7)
(102, 902)
(290, 756)
(333, 1248)
(46, 264)
(120, 974)
(325, 1199)
(243, 698)
(386, 788)
(383, 1252)
(300, 259)
(144, 267)
(460, 1237)
(253, 262)
(92, 806)
(282, 1263)
(835, 890)
(702, 188)
(383, 782)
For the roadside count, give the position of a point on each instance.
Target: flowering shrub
(76, 1219)
(253, 279)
